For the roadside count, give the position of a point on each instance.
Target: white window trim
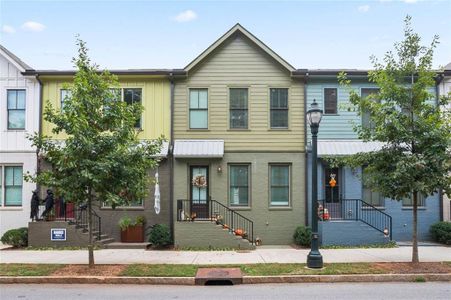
(3, 188)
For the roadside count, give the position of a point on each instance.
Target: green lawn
(28, 269)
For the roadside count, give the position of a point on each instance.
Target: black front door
(199, 182)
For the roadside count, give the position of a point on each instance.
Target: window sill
(11, 208)
(16, 130)
(411, 208)
(198, 129)
(238, 129)
(336, 115)
(280, 208)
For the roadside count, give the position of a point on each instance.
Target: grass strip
(28, 269)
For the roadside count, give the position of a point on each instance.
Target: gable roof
(251, 37)
(23, 67)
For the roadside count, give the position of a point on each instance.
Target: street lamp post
(314, 115)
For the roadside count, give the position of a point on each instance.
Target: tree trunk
(415, 258)
(90, 242)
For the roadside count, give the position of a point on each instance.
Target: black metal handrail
(76, 215)
(213, 211)
(358, 210)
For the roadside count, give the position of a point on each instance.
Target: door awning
(346, 147)
(198, 148)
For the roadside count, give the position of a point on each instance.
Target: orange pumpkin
(239, 232)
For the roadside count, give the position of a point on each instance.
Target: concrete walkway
(261, 255)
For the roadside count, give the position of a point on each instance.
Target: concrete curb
(246, 279)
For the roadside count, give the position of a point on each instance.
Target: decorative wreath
(200, 181)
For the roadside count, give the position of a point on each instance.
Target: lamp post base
(314, 260)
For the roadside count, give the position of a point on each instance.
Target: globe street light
(314, 115)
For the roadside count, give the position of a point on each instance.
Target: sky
(170, 34)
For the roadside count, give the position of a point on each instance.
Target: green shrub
(302, 236)
(16, 237)
(441, 232)
(160, 235)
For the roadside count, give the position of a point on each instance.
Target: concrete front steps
(206, 234)
(349, 233)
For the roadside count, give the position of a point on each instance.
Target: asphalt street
(348, 291)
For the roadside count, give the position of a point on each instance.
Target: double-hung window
(131, 96)
(365, 92)
(238, 108)
(16, 109)
(330, 101)
(239, 185)
(198, 109)
(371, 197)
(11, 181)
(279, 107)
(279, 181)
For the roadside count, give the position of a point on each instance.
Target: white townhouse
(445, 88)
(19, 117)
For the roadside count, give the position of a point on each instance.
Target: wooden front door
(199, 192)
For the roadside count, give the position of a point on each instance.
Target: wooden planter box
(133, 234)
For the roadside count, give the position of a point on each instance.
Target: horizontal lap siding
(239, 63)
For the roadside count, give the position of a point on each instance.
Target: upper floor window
(366, 120)
(64, 95)
(330, 101)
(279, 181)
(16, 109)
(198, 108)
(279, 107)
(132, 96)
(239, 185)
(11, 181)
(238, 108)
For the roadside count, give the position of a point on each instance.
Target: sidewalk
(261, 255)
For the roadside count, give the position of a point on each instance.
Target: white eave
(198, 148)
(346, 147)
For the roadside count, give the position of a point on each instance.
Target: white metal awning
(346, 147)
(199, 148)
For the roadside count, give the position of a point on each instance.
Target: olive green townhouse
(238, 146)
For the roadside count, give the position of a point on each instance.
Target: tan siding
(239, 63)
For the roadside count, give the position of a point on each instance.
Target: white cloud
(186, 16)
(405, 1)
(33, 26)
(364, 8)
(8, 29)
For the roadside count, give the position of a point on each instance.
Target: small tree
(102, 159)
(405, 116)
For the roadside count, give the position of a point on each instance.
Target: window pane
(21, 99)
(16, 119)
(279, 118)
(193, 99)
(238, 118)
(409, 201)
(132, 96)
(13, 196)
(203, 99)
(12, 99)
(369, 91)
(198, 119)
(279, 175)
(279, 196)
(64, 94)
(279, 98)
(330, 101)
(238, 98)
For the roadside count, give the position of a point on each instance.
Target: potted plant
(132, 231)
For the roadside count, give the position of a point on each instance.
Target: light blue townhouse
(351, 213)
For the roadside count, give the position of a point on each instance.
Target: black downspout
(171, 161)
(306, 186)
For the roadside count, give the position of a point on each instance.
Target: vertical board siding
(238, 63)
(155, 99)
